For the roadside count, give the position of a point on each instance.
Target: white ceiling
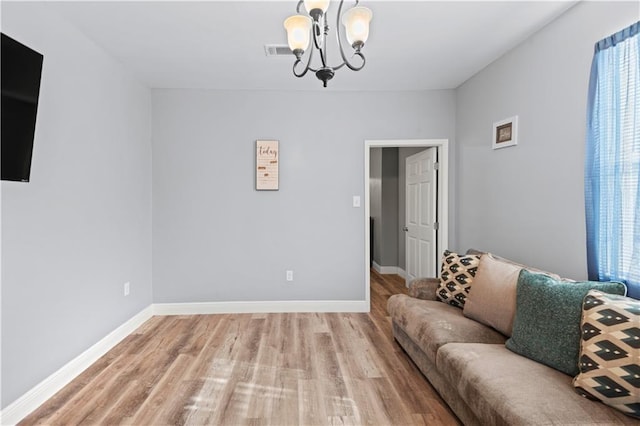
(413, 45)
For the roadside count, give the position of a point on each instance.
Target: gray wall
(389, 232)
(82, 227)
(375, 201)
(383, 196)
(527, 202)
(217, 239)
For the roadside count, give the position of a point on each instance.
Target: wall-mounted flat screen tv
(21, 69)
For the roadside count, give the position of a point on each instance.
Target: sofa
(470, 366)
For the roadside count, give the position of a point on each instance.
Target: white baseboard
(402, 273)
(376, 267)
(260, 307)
(35, 397)
(389, 270)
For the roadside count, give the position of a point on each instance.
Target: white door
(421, 218)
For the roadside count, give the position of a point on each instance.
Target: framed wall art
(267, 165)
(505, 132)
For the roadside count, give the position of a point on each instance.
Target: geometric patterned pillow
(610, 351)
(456, 276)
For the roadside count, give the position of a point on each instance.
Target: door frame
(442, 146)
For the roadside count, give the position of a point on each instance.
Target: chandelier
(301, 28)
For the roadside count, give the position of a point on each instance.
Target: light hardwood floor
(255, 369)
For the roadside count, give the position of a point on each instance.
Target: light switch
(356, 201)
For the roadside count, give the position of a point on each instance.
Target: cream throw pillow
(492, 300)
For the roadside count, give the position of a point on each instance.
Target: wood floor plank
(311, 410)
(132, 411)
(255, 370)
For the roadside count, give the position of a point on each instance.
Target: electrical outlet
(289, 275)
(127, 287)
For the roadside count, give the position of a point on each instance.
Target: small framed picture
(505, 132)
(267, 165)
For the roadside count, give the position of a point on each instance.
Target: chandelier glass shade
(309, 5)
(308, 33)
(298, 32)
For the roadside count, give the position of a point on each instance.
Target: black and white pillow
(456, 276)
(610, 351)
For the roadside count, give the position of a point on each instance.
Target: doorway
(439, 197)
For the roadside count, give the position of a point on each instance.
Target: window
(612, 168)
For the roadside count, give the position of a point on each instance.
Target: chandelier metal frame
(320, 29)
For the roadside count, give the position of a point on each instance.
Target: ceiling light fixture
(355, 20)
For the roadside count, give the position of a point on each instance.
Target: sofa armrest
(424, 288)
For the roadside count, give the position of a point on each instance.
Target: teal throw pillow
(546, 327)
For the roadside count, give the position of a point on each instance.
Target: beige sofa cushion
(424, 288)
(503, 388)
(432, 324)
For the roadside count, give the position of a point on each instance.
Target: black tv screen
(21, 69)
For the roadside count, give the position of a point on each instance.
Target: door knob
(405, 229)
